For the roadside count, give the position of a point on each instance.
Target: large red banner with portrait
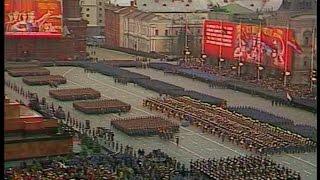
(33, 18)
(267, 46)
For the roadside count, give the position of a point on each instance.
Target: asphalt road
(193, 143)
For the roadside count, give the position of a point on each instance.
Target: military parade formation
(122, 161)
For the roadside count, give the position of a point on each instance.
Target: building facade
(146, 32)
(29, 135)
(113, 30)
(163, 25)
(93, 11)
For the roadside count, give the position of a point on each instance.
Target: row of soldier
(243, 167)
(245, 132)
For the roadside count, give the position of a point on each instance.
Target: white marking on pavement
(307, 162)
(285, 162)
(65, 73)
(307, 172)
(186, 149)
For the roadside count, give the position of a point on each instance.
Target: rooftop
(235, 8)
(169, 6)
(26, 112)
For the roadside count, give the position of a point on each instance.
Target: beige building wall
(93, 11)
(147, 34)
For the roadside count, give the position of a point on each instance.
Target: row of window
(166, 32)
(88, 9)
(175, 1)
(163, 5)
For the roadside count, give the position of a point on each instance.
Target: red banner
(267, 46)
(33, 18)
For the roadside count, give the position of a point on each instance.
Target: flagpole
(220, 48)
(259, 51)
(203, 37)
(186, 38)
(286, 57)
(240, 45)
(312, 58)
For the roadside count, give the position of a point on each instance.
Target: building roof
(150, 17)
(113, 7)
(272, 5)
(26, 112)
(235, 8)
(142, 16)
(304, 16)
(133, 14)
(169, 6)
(117, 9)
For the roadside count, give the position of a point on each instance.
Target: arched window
(307, 38)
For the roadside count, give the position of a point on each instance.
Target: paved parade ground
(193, 144)
(234, 98)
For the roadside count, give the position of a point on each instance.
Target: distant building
(28, 135)
(185, 16)
(147, 32)
(113, 30)
(93, 12)
(175, 6)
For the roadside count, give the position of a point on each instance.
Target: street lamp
(186, 53)
(203, 56)
(220, 61)
(239, 68)
(260, 68)
(287, 73)
(313, 78)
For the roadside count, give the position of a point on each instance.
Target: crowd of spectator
(270, 83)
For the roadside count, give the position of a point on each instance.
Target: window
(307, 36)
(166, 33)
(199, 31)
(100, 9)
(164, 5)
(100, 21)
(304, 63)
(88, 9)
(189, 1)
(144, 4)
(100, 15)
(100, 3)
(156, 32)
(187, 4)
(177, 32)
(88, 15)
